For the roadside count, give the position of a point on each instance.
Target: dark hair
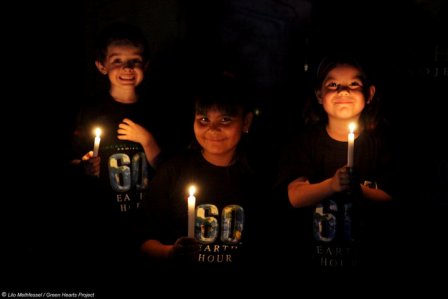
(370, 116)
(226, 94)
(121, 34)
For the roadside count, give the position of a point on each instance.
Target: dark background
(48, 59)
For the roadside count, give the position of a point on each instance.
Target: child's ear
(372, 91)
(318, 94)
(247, 122)
(100, 67)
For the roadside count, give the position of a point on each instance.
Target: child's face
(219, 133)
(124, 66)
(342, 93)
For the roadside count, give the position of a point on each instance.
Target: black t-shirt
(124, 172)
(329, 233)
(226, 204)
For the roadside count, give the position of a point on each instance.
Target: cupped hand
(91, 164)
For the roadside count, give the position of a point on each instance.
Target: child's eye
(137, 62)
(203, 120)
(117, 62)
(355, 84)
(332, 85)
(226, 120)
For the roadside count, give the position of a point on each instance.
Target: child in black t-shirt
(114, 180)
(122, 56)
(226, 195)
(335, 203)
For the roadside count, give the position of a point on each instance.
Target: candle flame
(192, 190)
(97, 132)
(352, 127)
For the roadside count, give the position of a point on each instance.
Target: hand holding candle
(96, 145)
(191, 211)
(351, 144)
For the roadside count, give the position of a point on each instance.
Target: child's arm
(184, 248)
(302, 194)
(375, 194)
(155, 249)
(129, 130)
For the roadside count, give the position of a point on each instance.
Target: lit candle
(351, 144)
(96, 145)
(191, 211)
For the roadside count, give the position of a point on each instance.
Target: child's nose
(215, 126)
(343, 88)
(129, 65)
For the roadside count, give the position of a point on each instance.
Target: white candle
(191, 211)
(351, 144)
(96, 145)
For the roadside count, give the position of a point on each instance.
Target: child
(225, 193)
(331, 200)
(128, 151)
(122, 56)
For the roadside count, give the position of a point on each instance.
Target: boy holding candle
(217, 177)
(128, 151)
(333, 201)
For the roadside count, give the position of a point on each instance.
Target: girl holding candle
(224, 193)
(315, 176)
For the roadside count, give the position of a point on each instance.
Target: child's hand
(341, 180)
(129, 130)
(345, 179)
(91, 164)
(185, 249)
